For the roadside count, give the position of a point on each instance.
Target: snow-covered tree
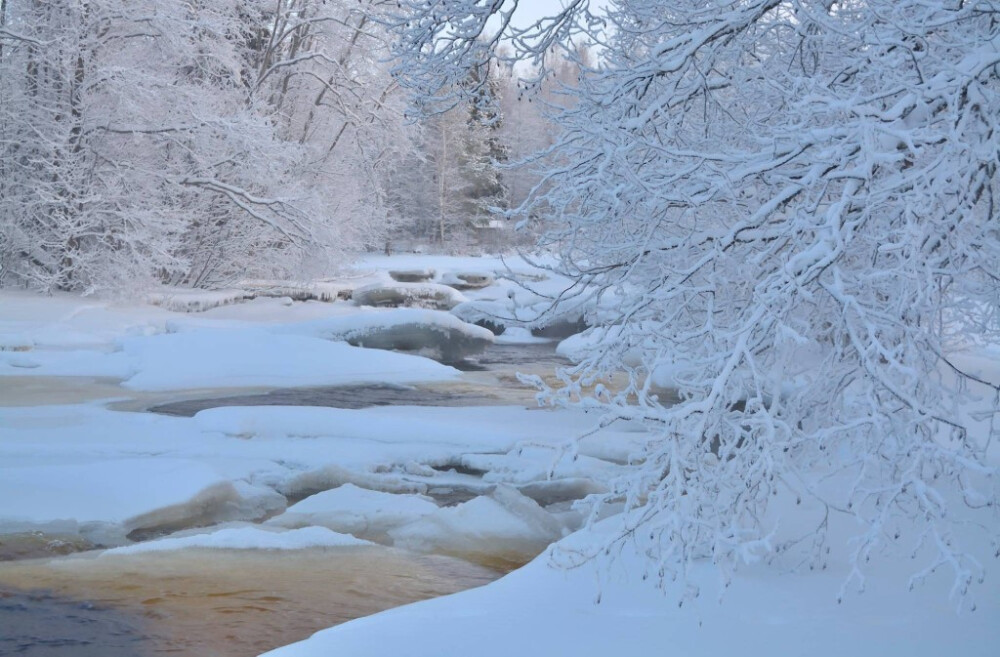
(786, 210)
(189, 143)
(453, 178)
(321, 72)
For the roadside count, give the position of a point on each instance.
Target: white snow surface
(112, 491)
(245, 345)
(505, 524)
(254, 357)
(355, 510)
(361, 324)
(245, 538)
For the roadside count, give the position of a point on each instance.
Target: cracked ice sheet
(100, 491)
(245, 345)
(84, 463)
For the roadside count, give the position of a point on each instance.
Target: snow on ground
(105, 499)
(254, 357)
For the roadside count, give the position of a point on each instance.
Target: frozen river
(59, 599)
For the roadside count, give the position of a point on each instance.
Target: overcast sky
(529, 11)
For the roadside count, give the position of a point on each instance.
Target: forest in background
(197, 144)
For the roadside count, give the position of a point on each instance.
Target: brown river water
(208, 603)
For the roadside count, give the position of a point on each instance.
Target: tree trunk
(442, 189)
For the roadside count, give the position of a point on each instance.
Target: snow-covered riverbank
(82, 465)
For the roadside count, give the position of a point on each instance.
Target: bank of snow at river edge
(550, 607)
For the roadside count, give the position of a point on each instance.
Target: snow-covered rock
(255, 357)
(106, 501)
(416, 275)
(484, 314)
(422, 295)
(558, 327)
(358, 511)
(519, 335)
(16, 342)
(327, 291)
(405, 329)
(466, 280)
(504, 527)
(537, 317)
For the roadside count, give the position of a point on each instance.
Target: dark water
(209, 603)
(41, 625)
(497, 358)
(510, 356)
(361, 396)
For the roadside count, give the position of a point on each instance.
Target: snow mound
(255, 357)
(245, 538)
(105, 501)
(467, 280)
(405, 329)
(353, 510)
(505, 527)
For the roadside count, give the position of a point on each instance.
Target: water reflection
(211, 603)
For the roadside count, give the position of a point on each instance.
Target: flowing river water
(59, 601)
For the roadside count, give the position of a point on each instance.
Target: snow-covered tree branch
(786, 212)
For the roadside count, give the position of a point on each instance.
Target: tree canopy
(785, 211)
